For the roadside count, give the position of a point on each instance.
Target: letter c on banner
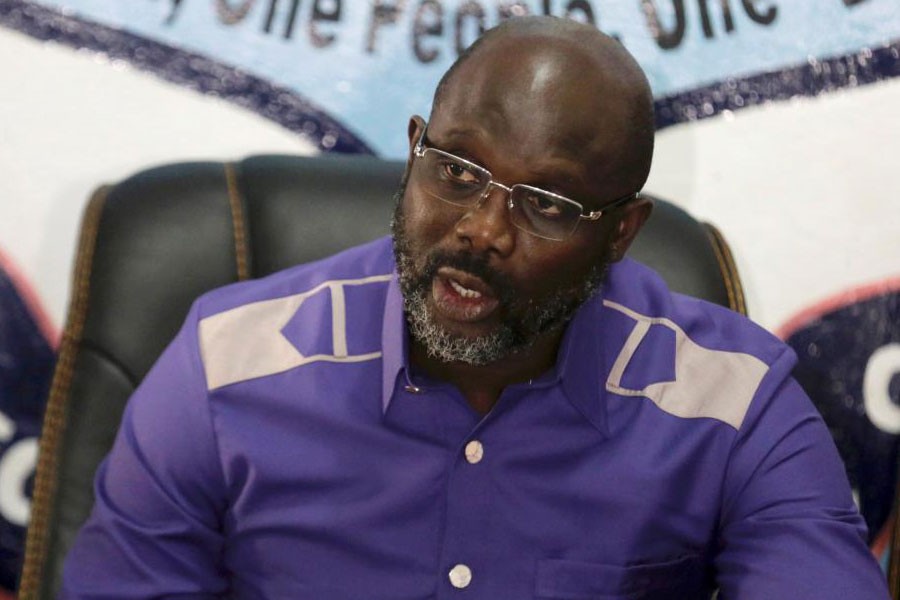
(883, 365)
(16, 466)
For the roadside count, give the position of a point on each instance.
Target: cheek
(426, 221)
(548, 267)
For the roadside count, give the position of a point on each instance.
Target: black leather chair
(152, 243)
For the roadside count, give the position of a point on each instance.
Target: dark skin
(549, 111)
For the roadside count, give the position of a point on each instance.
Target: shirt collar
(394, 341)
(581, 364)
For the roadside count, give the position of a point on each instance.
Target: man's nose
(487, 226)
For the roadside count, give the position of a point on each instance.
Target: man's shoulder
(328, 311)
(358, 264)
(640, 292)
(690, 357)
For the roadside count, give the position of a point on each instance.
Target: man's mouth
(461, 296)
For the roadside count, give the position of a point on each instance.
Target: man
(494, 406)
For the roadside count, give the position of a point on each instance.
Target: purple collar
(581, 369)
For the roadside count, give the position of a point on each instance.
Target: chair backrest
(152, 243)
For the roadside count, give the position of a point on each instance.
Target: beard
(523, 321)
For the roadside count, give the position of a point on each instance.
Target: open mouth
(461, 296)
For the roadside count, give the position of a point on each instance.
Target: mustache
(474, 264)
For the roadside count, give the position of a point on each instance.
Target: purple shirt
(282, 447)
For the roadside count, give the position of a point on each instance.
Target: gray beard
(523, 324)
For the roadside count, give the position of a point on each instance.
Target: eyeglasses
(462, 183)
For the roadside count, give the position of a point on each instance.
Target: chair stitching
(723, 269)
(236, 203)
(728, 269)
(732, 270)
(54, 423)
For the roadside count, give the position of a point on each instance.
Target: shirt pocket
(681, 578)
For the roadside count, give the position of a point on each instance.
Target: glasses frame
(419, 152)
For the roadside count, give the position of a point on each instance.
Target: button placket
(468, 517)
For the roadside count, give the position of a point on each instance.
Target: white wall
(807, 192)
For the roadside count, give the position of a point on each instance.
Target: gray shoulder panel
(247, 342)
(708, 383)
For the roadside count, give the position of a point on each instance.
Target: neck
(482, 385)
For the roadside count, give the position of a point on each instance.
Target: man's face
(463, 308)
(476, 288)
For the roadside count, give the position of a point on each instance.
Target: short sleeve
(789, 527)
(155, 529)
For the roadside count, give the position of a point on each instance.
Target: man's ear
(632, 217)
(415, 130)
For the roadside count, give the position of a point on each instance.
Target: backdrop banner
(349, 74)
(849, 363)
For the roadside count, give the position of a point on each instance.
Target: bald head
(572, 85)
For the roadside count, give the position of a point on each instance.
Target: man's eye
(546, 207)
(459, 173)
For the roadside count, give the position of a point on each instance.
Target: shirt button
(460, 576)
(474, 452)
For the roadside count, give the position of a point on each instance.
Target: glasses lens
(544, 214)
(451, 178)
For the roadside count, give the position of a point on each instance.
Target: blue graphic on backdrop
(850, 367)
(26, 365)
(371, 65)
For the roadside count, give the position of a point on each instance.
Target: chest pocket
(682, 578)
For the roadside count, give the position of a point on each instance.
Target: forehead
(542, 104)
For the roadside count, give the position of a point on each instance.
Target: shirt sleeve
(789, 526)
(155, 529)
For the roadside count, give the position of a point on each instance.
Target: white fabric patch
(246, 342)
(708, 383)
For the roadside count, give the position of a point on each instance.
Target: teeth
(464, 292)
